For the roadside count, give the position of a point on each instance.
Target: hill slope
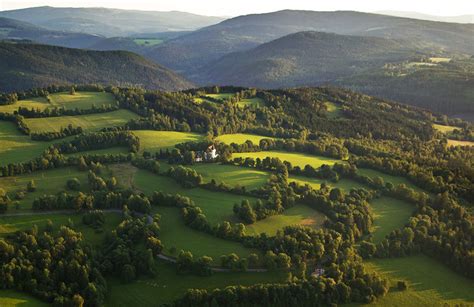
(391, 69)
(15, 29)
(24, 66)
(110, 22)
(305, 58)
(189, 53)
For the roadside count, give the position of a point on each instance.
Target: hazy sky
(239, 7)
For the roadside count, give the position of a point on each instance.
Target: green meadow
(148, 42)
(217, 206)
(104, 151)
(395, 180)
(175, 234)
(240, 138)
(315, 183)
(11, 298)
(296, 159)
(47, 182)
(80, 100)
(90, 122)
(31, 103)
(11, 224)
(153, 141)
(389, 214)
(430, 283)
(460, 143)
(298, 215)
(333, 110)
(251, 102)
(16, 147)
(221, 96)
(444, 128)
(168, 285)
(232, 175)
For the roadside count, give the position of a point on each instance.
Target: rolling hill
(24, 66)
(305, 58)
(190, 53)
(19, 30)
(391, 69)
(110, 22)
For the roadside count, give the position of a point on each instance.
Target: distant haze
(234, 8)
(416, 15)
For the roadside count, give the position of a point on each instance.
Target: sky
(241, 7)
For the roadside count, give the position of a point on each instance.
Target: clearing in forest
(153, 141)
(89, 122)
(430, 283)
(296, 159)
(240, 138)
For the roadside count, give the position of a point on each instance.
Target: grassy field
(296, 159)
(11, 298)
(232, 175)
(221, 96)
(252, 102)
(90, 122)
(12, 224)
(440, 60)
(315, 183)
(395, 180)
(297, 215)
(147, 42)
(333, 110)
(16, 147)
(153, 141)
(174, 233)
(430, 282)
(47, 182)
(389, 214)
(217, 206)
(444, 129)
(460, 143)
(31, 103)
(168, 285)
(240, 138)
(81, 100)
(105, 151)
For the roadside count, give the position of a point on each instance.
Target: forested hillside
(25, 66)
(399, 70)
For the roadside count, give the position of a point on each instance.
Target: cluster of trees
(9, 98)
(49, 136)
(65, 272)
(55, 112)
(132, 248)
(185, 264)
(100, 140)
(187, 177)
(349, 214)
(95, 219)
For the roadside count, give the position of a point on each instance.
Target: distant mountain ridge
(190, 53)
(24, 66)
(15, 29)
(110, 22)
